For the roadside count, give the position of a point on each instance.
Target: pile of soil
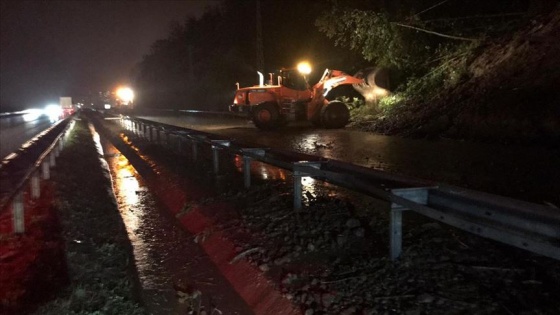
(510, 93)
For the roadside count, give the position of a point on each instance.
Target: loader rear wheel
(335, 115)
(266, 116)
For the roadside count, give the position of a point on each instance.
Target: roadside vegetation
(461, 71)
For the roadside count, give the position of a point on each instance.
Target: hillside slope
(511, 93)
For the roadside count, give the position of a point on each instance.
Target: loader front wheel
(266, 116)
(335, 115)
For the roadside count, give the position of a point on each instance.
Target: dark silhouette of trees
(197, 65)
(411, 35)
(192, 67)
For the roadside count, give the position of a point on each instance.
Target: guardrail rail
(24, 169)
(529, 226)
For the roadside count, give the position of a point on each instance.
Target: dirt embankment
(510, 93)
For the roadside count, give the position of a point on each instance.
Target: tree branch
(428, 9)
(435, 33)
(487, 16)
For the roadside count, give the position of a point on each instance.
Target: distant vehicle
(66, 106)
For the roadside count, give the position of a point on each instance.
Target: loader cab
(292, 79)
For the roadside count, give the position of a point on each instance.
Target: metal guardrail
(525, 225)
(26, 167)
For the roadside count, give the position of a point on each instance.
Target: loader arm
(329, 80)
(332, 79)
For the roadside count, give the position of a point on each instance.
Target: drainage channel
(176, 276)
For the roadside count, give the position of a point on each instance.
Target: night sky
(56, 48)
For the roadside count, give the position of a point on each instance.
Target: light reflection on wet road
(527, 173)
(164, 253)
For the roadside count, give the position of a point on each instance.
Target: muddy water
(171, 267)
(520, 172)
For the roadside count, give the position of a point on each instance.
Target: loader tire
(266, 116)
(335, 115)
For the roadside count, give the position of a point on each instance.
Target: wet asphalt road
(520, 172)
(14, 131)
(164, 253)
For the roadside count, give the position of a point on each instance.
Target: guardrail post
(35, 185)
(179, 144)
(52, 159)
(194, 150)
(169, 140)
(247, 171)
(18, 214)
(151, 133)
(56, 149)
(418, 195)
(45, 169)
(194, 140)
(216, 146)
(298, 174)
(247, 164)
(166, 141)
(396, 230)
(158, 136)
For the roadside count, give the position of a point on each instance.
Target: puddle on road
(309, 185)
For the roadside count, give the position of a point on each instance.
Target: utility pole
(260, 52)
